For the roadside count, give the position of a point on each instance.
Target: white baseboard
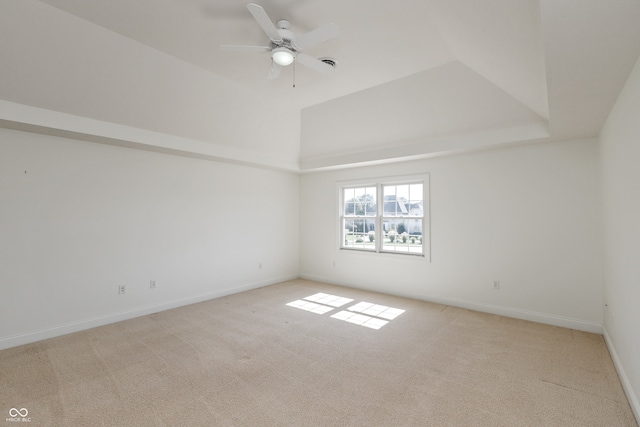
(565, 322)
(626, 384)
(81, 325)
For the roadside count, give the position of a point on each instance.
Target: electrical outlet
(496, 284)
(260, 266)
(152, 284)
(122, 289)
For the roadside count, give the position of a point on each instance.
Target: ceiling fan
(285, 47)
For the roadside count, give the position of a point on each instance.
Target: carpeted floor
(252, 360)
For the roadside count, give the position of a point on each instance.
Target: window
(388, 216)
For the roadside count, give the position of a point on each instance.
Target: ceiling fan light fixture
(282, 56)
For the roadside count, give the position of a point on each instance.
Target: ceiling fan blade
(274, 71)
(313, 63)
(264, 21)
(317, 36)
(231, 48)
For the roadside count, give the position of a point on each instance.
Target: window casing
(389, 216)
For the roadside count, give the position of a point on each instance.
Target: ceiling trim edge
(38, 120)
(420, 149)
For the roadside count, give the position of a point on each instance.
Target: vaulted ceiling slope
(414, 78)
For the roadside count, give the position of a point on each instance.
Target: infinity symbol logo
(13, 412)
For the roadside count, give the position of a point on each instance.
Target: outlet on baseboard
(122, 289)
(152, 284)
(496, 284)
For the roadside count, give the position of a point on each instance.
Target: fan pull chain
(294, 73)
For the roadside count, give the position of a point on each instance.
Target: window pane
(402, 192)
(370, 206)
(403, 200)
(349, 208)
(360, 201)
(389, 190)
(348, 194)
(402, 235)
(416, 193)
(359, 233)
(395, 200)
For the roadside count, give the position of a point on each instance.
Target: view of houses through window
(384, 217)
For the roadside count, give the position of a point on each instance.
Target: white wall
(527, 216)
(620, 152)
(77, 219)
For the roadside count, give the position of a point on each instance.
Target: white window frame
(379, 184)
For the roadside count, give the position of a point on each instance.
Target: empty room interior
(304, 212)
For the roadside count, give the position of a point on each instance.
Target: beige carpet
(251, 360)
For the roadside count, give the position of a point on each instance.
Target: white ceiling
(414, 78)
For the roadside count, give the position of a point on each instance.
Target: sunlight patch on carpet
(376, 310)
(360, 319)
(367, 314)
(310, 306)
(328, 299)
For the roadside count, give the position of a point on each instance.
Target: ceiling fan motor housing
(287, 39)
(284, 52)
